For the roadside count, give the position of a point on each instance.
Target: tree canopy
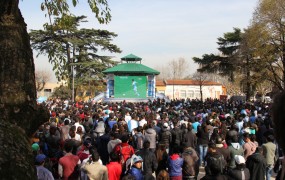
(60, 7)
(224, 63)
(20, 114)
(68, 46)
(269, 40)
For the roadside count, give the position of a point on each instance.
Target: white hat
(239, 159)
(165, 125)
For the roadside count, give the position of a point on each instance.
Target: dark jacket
(256, 164)
(157, 129)
(216, 177)
(236, 174)
(137, 173)
(190, 139)
(162, 158)
(203, 137)
(176, 134)
(165, 137)
(175, 163)
(235, 149)
(215, 167)
(102, 144)
(190, 164)
(149, 161)
(225, 152)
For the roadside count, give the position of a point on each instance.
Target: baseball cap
(165, 125)
(40, 158)
(239, 159)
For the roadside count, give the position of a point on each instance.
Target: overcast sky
(158, 31)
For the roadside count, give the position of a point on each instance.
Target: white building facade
(182, 89)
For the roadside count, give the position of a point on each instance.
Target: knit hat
(132, 160)
(137, 159)
(35, 147)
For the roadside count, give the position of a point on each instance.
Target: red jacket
(68, 164)
(114, 170)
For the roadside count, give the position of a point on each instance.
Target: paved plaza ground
(202, 173)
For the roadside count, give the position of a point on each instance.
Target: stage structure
(130, 80)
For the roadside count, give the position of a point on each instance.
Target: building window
(190, 94)
(217, 94)
(197, 94)
(47, 92)
(80, 93)
(182, 94)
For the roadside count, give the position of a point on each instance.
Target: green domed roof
(131, 57)
(131, 68)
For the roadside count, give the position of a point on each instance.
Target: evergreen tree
(67, 46)
(225, 63)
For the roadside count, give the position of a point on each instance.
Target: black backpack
(215, 164)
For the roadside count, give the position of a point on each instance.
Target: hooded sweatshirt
(175, 163)
(150, 135)
(112, 143)
(256, 164)
(235, 149)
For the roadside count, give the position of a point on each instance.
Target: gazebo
(130, 80)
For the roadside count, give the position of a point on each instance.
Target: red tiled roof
(184, 82)
(160, 83)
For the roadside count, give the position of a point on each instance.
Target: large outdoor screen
(130, 87)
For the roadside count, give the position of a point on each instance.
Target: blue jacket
(175, 163)
(137, 173)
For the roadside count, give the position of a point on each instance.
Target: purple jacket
(175, 163)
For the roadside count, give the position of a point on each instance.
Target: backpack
(215, 164)
(125, 154)
(139, 142)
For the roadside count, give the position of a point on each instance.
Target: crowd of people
(158, 140)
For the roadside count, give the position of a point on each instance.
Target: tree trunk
(283, 71)
(201, 93)
(248, 84)
(20, 115)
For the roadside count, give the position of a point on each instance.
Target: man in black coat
(224, 151)
(176, 134)
(256, 164)
(149, 160)
(189, 139)
(165, 136)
